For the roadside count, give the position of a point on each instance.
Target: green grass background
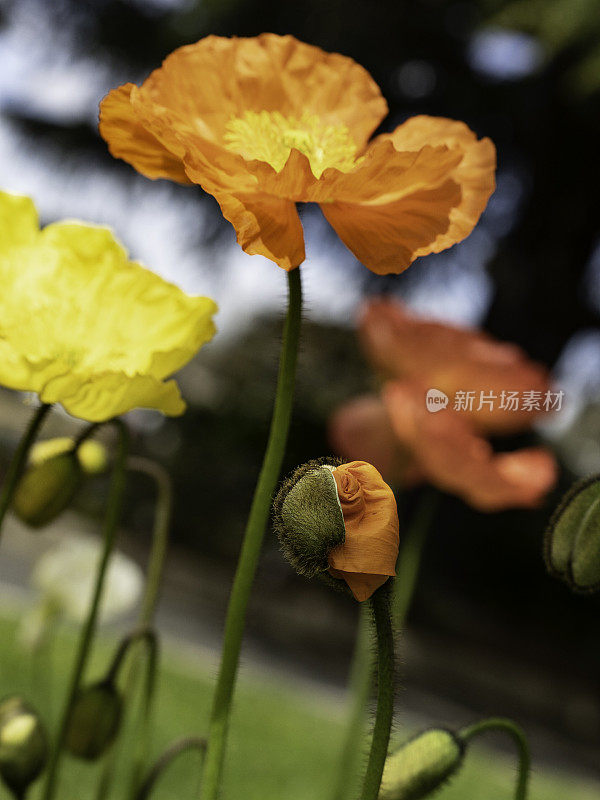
(284, 739)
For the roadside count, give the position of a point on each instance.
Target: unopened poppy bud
(421, 766)
(309, 519)
(23, 745)
(91, 454)
(572, 544)
(46, 489)
(95, 720)
(339, 521)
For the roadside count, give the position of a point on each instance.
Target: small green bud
(421, 766)
(95, 720)
(308, 517)
(23, 745)
(46, 489)
(92, 455)
(572, 543)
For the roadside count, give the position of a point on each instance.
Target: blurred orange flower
(448, 448)
(367, 558)
(402, 345)
(263, 123)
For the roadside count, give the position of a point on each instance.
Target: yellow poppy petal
(128, 139)
(98, 398)
(82, 325)
(19, 221)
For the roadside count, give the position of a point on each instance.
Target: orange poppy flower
(263, 123)
(367, 558)
(401, 345)
(411, 445)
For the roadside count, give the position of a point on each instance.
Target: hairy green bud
(308, 517)
(46, 489)
(421, 766)
(95, 720)
(23, 745)
(572, 542)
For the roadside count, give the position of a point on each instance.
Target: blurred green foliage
(284, 739)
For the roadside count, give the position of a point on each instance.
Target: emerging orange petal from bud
(367, 558)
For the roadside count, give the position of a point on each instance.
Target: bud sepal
(422, 765)
(572, 540)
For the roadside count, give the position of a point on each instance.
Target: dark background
(510, 639)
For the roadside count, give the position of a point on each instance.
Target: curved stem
(113, 513)
(19, 460)
(385, 695)
(154, 573)
(176, 749)
(253, 537)
(520, 739)
(146, 635)
(361, 680)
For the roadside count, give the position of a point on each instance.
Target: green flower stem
(19, 460)
(248, 560)
(160, 539)
(361, 680)
(165, 760)
(160, 534)
(519, 738)
(385, 694)
(409, 557)
(113, 514)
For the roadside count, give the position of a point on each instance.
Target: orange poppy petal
(218, 78)
(387, 238)
(265, 226)
(475, 174)
(372, 528)
(392, 204)
(128, 139)
(362, 585)
(455, 459)
(402, 344)
(361, 429)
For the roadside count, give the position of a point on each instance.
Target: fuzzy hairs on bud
(308, 518)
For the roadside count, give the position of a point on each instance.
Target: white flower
(65, 577)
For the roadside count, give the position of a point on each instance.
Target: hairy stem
(253, 537)
(361, 680)
(385, 695)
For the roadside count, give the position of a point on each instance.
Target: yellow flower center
(269, 136)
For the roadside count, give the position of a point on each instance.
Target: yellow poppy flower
(83, 326)
(263, 123)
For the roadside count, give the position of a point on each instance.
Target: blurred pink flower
(410, 445)
(401, 345)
